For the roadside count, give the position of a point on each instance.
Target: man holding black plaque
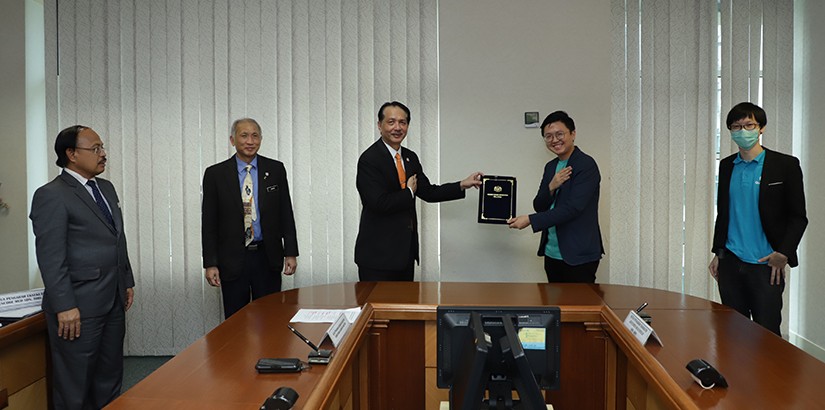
(567, 207)
(388, 180)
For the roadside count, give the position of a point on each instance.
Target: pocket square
(775, 183)
(272, 188)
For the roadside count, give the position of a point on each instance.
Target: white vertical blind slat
(660, 122)
(699, 160)
(83, 61)
(97, 67)
(333, 190)
(647, 243)
(300, 106)
(351, 132)
(51, 81)
(180, 218)
(620, 101)
(222, 81)
(677, 93)
(159, 122)
(319, 148)
(211, 143)
(141, 234)
(67, 55)
(250, 60)
(188, 285)
(782, 47)
(755, 47)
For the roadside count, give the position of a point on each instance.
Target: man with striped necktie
(247, 226)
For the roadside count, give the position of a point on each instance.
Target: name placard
(338, 330)
(640, 329)
(17, 300)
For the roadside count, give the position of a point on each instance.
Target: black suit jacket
(222, 227)
(388, 232)
(781, 204)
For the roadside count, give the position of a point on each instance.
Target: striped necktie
(250, 214)
(100, 203)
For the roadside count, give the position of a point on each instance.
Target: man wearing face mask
(760, 221)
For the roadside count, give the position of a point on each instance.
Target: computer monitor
(519, 349)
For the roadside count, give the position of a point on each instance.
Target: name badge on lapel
(272, 188)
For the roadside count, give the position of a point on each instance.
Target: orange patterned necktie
(402, 176)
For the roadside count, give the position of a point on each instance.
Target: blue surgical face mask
(745, 139)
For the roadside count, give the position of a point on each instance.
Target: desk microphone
(317, 356)
(644, 316)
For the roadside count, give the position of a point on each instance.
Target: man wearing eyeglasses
(760, 221)
(567, 207)
(81, 253)
(389, 179)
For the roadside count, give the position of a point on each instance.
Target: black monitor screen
(532, 339)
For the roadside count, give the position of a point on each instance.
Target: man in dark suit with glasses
(82, 256)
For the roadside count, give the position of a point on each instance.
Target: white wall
(497, 60)
(13, 222)
(807, 327)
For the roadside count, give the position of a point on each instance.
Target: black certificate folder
(496, 199)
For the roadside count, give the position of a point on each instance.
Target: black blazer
(576, 213)
(222, 216)
(388, 232)
(781, 204)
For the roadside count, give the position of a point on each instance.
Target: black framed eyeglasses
(747, 127)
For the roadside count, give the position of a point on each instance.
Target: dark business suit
(783, 217)
(388, 232)
(223, 219)
(84, 264)
(576, 211)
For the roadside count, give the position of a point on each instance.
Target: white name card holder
(338, 329)
(18, 305)
(640, 329)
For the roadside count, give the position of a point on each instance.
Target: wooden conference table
(387, 361)
(24, 364)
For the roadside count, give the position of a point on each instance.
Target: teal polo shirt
(746, 238)
(552, 248)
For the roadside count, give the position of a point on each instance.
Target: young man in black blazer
(389, 179)
(760, 221)
(246, 262)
